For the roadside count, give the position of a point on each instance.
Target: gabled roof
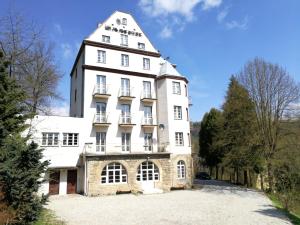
(168, 69)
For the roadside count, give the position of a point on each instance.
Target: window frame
(141, 44)
(126, 145)
(177, 112)
(55, 137)
(179, 139)
(181, 170)
(176, 89)
(72, 139)
(123, 60)
(109, 170)
(124, 21)
(102, 147)
(146, 63)
(148, 142)
(105, 37)
(101, 56)
(124, 40)
(145, 168)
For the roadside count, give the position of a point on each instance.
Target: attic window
(141, 45)
(124, 21)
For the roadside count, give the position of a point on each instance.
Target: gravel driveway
(215, 203)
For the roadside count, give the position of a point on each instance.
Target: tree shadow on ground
(273, 212)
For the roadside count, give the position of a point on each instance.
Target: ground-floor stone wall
(167, 165)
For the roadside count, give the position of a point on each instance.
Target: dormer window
(105, 39)
(124, 21)
(141, 46)
(124, 40)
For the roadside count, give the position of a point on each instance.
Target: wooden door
(71, 181)
(54, 177)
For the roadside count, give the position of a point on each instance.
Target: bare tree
(31, 59)
(273, 91)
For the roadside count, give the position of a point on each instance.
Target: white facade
(146, 98)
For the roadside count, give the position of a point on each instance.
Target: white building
(128, 128)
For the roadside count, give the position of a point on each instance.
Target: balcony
(148, 148)
(126, 148)
(100, 149)
(125, 120)
(125, 94)
(100, 120)
(148, 122)
(101, 91)
(148, 97)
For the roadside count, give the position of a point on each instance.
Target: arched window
(181, 169)
(147, 171)
(113, 173)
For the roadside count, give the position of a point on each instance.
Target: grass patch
(294, 216)
(47, 217)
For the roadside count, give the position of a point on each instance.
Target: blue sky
(208, 39)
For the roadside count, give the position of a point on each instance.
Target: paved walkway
(216, 203)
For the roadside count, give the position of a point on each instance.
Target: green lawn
(47, 217)
(294, 216)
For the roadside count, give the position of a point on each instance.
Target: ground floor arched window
(147, 171)
(181, 169)
(113, 173)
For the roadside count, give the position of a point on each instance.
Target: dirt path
(215, 203)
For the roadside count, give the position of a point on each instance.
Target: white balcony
(148, 148)
(100, 149)
(101, 120)
(148, 97)
(125, 120)
(126, 94)
(101, 91)
(148, 122)
(126, 148)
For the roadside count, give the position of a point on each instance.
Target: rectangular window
(177, 112)
(101, 84)
(70, 139)
(176, 88)
(124, 21)
(125, 87)
(105, 39)
(124, 60)
(101, 56)
(148, 115)
(50, 139)
(100, 141)
(101, 112)
(146, 63)
(124, 40)
(147, 89)
(148, 142)
(179, 138)
(126, 142)
(141, 46)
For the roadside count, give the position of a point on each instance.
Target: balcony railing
(126, 93)
(148, 148)
(125, 119)
(126, 148)
(101, 91)
(148, 120)
(147, 97)
(101, 119)
(100, 148)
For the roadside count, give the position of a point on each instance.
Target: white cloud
(243, 25)
(67, 50)
(172, 11)
(166, 33)
(222, 15)
(61, 110)
(58, 28)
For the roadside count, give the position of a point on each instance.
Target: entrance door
(54, 183)
(71, 181)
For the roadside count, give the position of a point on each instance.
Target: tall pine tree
(239, 138)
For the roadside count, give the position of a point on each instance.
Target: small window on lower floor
(181, 169)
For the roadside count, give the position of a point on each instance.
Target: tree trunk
(270, 177)
(222, 172)
(245, 178)
(210, 171)
(217, 172)
(237, 175)
(261, 181)
(250, 179)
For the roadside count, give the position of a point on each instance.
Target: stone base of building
(165, 162)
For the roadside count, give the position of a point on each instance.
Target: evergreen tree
(209, 139)
(21, 164)
(239, 138)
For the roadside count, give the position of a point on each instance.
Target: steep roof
(168, 69)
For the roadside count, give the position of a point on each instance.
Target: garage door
(72, 178)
